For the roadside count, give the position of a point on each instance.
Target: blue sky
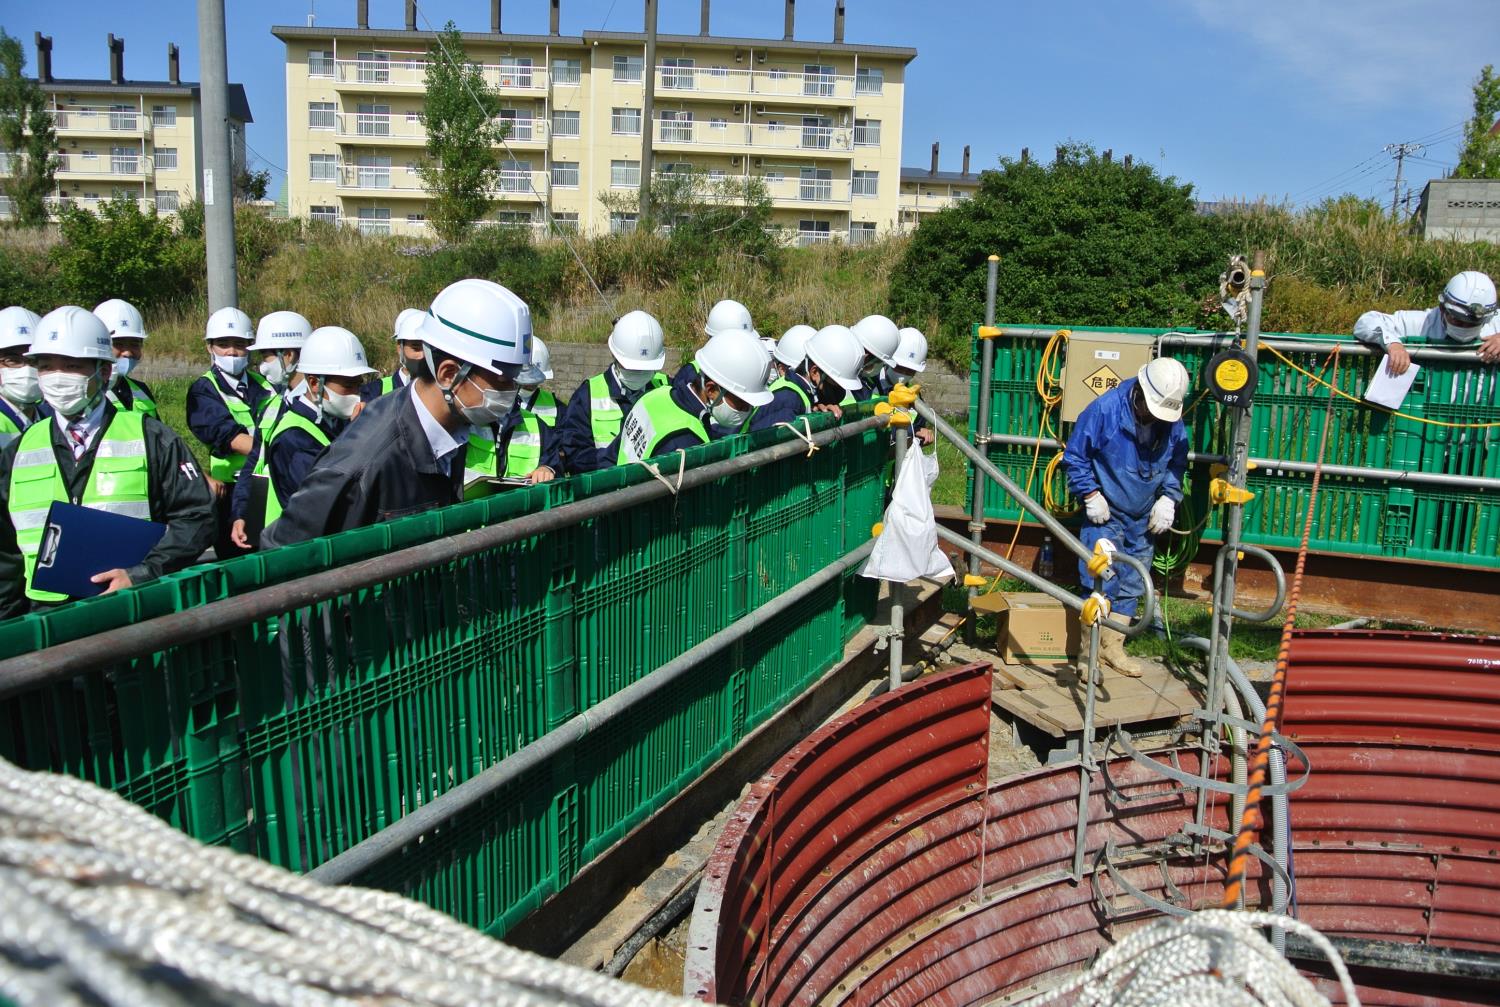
(1296, 101)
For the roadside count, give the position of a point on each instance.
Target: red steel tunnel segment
(854, 871)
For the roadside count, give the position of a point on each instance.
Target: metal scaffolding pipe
(412, 826)
(55, 664)
(1282, 465)
(1215, 340)
(981, 435)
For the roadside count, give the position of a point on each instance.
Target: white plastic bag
(907, 548)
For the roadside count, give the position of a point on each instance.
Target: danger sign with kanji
(1101, 381)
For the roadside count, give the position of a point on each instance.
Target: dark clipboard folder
(80, 542)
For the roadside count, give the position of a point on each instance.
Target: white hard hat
(480, 323)
(838, 354)
(331, 350)
(18, 327)
(70, 331)
(912, 353)
(879, 336)
(121, 319)
(228, 323)
(792, 346)
(281, 330)
(540, 368)
(406, 324)
(1468, 302)
(638, 343)
(1164, 382)
(738, 364)
(729, 316)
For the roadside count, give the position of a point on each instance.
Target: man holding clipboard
(113, 475)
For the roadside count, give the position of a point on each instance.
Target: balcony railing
(806, 239)
(135, 165)
(400, 71)
(398, 126)
(735, 82)
(533, 130)
(514, 184)
(55, 204)
(764, 136)
(89, 119)
(808, 190)
(379, 178)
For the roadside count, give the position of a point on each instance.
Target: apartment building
(818, 122)
(925, 191)
(136, 139)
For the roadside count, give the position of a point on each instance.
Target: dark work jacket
(380, 468)
(178, 494)
(291, 456)
(208, 417)
(786, 405)
(575, 428)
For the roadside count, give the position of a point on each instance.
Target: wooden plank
(1011, 702)
(1028, 677)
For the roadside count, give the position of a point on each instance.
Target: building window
(866, 132)
(566, 222)
(718, 71)
(320, 115)
(817, 132)
(166, 202)
(861, 232)
(166, 158)
(624, 174)
(716, 174)
(565, 174)
(164, 116)
(564, 123)
(374, 68)
(124, 161)
(622, 223)
(514, 218)
(322, 167)
(869, 80)
(677, 73)
(676, 127)
(515, 176)
(373, 120)
(373, 171)
(817, 80)
(374, 220)
(123, 118)
(629, 68)
(866, 183)
(817, 184)
(515, 71)
(777, 73)
(517, 123)
(812, 232)
(567, 71)
(416, 218)
(625, 121)
(675, 168)
(718, 124)
(319, 63)
(327, 214)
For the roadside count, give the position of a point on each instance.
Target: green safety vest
(544, 407)
(387, 384)
(523, 455)
(605, 414)
(140, 402)
(655, 418)
(783, 382)
(288, 421)
(269, 417)
(226, 469)
(9, 430)
(119, 483)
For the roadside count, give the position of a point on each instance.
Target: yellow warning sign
(1101, 381)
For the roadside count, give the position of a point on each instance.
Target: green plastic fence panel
(1355, 516)
(296, 737)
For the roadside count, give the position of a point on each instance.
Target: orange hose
(1251, 821)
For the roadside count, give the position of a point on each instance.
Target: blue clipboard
(80, 542)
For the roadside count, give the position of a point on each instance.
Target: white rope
(104, 903)
(656, 472)
(1216, 957)
(806, 438)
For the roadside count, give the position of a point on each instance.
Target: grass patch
(171, 405)
(952, 486)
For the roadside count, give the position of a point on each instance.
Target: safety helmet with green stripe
(480, 324)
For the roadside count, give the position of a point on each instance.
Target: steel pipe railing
(1215, 340)
(60, 662)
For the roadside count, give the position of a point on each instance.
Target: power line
(268, 162)
(1400, 151)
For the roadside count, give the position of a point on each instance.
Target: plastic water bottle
(1044, 561)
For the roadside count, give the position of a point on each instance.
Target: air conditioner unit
(739, 110)
(761, 58)
(760, 162)
(760, 110)
(736, 161)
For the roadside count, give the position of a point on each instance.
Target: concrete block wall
(1467, 209)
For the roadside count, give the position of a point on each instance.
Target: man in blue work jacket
(1125, 460)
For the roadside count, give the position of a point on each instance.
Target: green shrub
(123, 252)
(503, 254)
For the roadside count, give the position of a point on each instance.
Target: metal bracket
(1111, 907)
(1197, 782)
(1113, 789)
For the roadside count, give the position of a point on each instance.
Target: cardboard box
(1034, 628)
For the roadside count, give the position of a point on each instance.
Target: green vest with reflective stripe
(226, 469)
(544, 407)
(9, 430)
(605, 414)
(140, 402)
(269, 416)
(655, 418)
(288, 420)
(784, 382)
(523, 455)
(387, 384)
(119, 483)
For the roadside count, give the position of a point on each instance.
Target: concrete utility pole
(648, 82)
(218, 175)
(1400, 151)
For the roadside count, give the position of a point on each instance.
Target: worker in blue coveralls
(1125, 460)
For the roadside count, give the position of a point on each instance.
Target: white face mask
(633, 380)
(124, 365)
(274, 371)
(725, 415)
(19, 384)
(232, 366)
(67, 394)
(495, 406)
(338, 404)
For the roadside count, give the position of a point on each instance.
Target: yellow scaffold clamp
(1095, 607)
(1221, 491)
(974, 580)
(904, 396)
(876, 529)
(899, 417)
(1103, 558)
(990, 332)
